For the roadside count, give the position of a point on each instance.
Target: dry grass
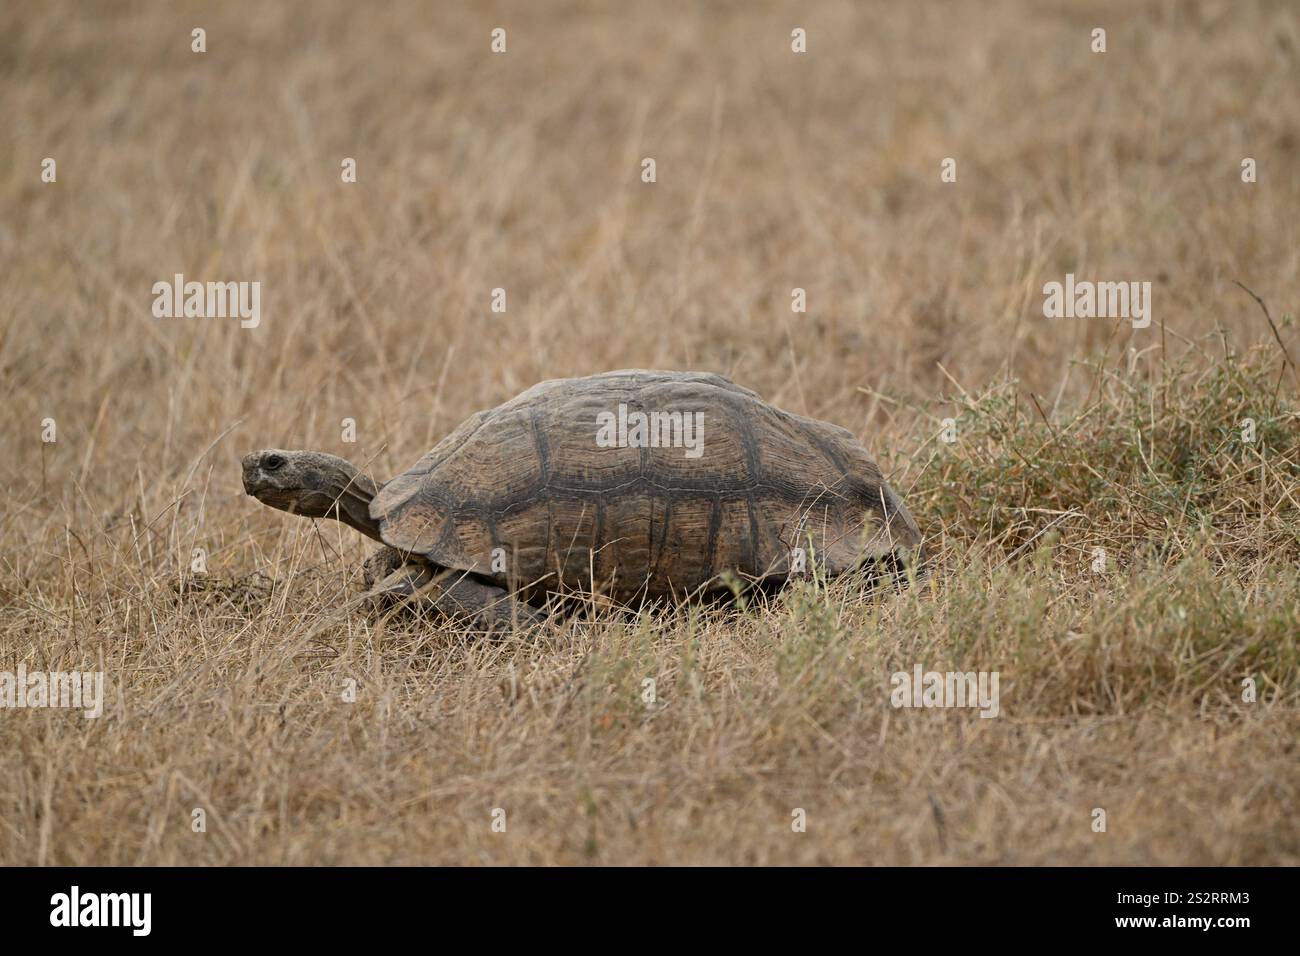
(1120, 689)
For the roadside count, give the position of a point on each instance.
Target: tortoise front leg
(463, 597)
(381, 563)
(391, 579)
(396, 587)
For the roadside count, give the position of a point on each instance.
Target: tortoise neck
(354, 507)
(351, 493)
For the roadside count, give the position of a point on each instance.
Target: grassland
(1121, 679)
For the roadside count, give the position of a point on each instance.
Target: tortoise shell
(547, 492)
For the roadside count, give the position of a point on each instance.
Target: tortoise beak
(253, 480)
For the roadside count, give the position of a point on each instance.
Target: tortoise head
(311, 483)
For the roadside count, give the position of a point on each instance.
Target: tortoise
(631, 484)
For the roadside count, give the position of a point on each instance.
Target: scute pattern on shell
(529, 477)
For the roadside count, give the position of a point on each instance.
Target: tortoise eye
(273, 462)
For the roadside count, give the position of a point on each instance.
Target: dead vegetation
(1121, 679)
